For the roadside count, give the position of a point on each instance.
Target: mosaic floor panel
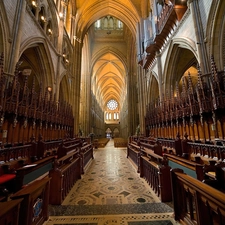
(111, 192)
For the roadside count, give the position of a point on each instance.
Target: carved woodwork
(35, 200)
(25, 112)
(9, 212)
(196, 202)
(195, 110)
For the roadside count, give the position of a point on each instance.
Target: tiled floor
(111, 193)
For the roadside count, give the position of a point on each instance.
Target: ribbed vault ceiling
(128, 11)
(108, 78)
(108, 71)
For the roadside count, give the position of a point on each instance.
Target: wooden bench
(196, 202)
(30, 172)
(7, 181)
(66, 172)
(154, 168)
(11, 159)
(66, 147)
(34, 204)
(101, 142)
(86, 154)
(9, 212)
(120, 142)
(133, 152)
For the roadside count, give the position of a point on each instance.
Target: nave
(111, 192)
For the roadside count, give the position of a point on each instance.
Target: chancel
(112, 112)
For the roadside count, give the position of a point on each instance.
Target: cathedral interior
(91, 88)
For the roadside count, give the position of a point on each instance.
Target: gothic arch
(108, 84)
(181, 55)
(4, 32)
(153, 88)
(96, 9)
(64, 89)
(116, 132)
(35, 53)
(215, 33)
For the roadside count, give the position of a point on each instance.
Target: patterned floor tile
(111, 192)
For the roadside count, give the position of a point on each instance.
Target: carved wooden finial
(190, 84)
(185, 135)
(177, 90)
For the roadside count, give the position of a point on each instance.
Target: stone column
(159, 64)
(76, 82)
(142, 94)
(15, 38)
(199, 32)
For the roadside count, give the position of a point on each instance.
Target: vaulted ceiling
(109, 78)
(109, 49)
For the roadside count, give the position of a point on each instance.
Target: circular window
(112, 104)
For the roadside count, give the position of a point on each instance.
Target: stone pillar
(60, 43)
(76, 82)
(15, 39)
(199, 32)
(159, 64)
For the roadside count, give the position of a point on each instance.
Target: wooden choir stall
(37, 150)
(189, 127)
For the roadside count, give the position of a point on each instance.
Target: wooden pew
(214, 175)
(30, 172)
(152, 144)
(120, 142)
(12, 159)
(9, 212)
(153, 168)
(192, 168)
(7, 181)
(101, 142)
(34, 204)
(66, 171)
(206, 152)
(133, 152)
(67, 146)
(47, 148)
(196, 202)
(86, 154)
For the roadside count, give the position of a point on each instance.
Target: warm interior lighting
(60, 15)
(67, 60)
(43, 18)
(34, 3)
(49, 88)
(49, 31)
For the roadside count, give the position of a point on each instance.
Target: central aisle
(111, 192)
(110, 179)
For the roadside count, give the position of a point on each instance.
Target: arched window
(120, 24)
(98, 24)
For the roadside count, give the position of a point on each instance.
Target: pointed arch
(35, 53)
(182, 54)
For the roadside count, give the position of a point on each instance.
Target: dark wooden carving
(25, 112)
